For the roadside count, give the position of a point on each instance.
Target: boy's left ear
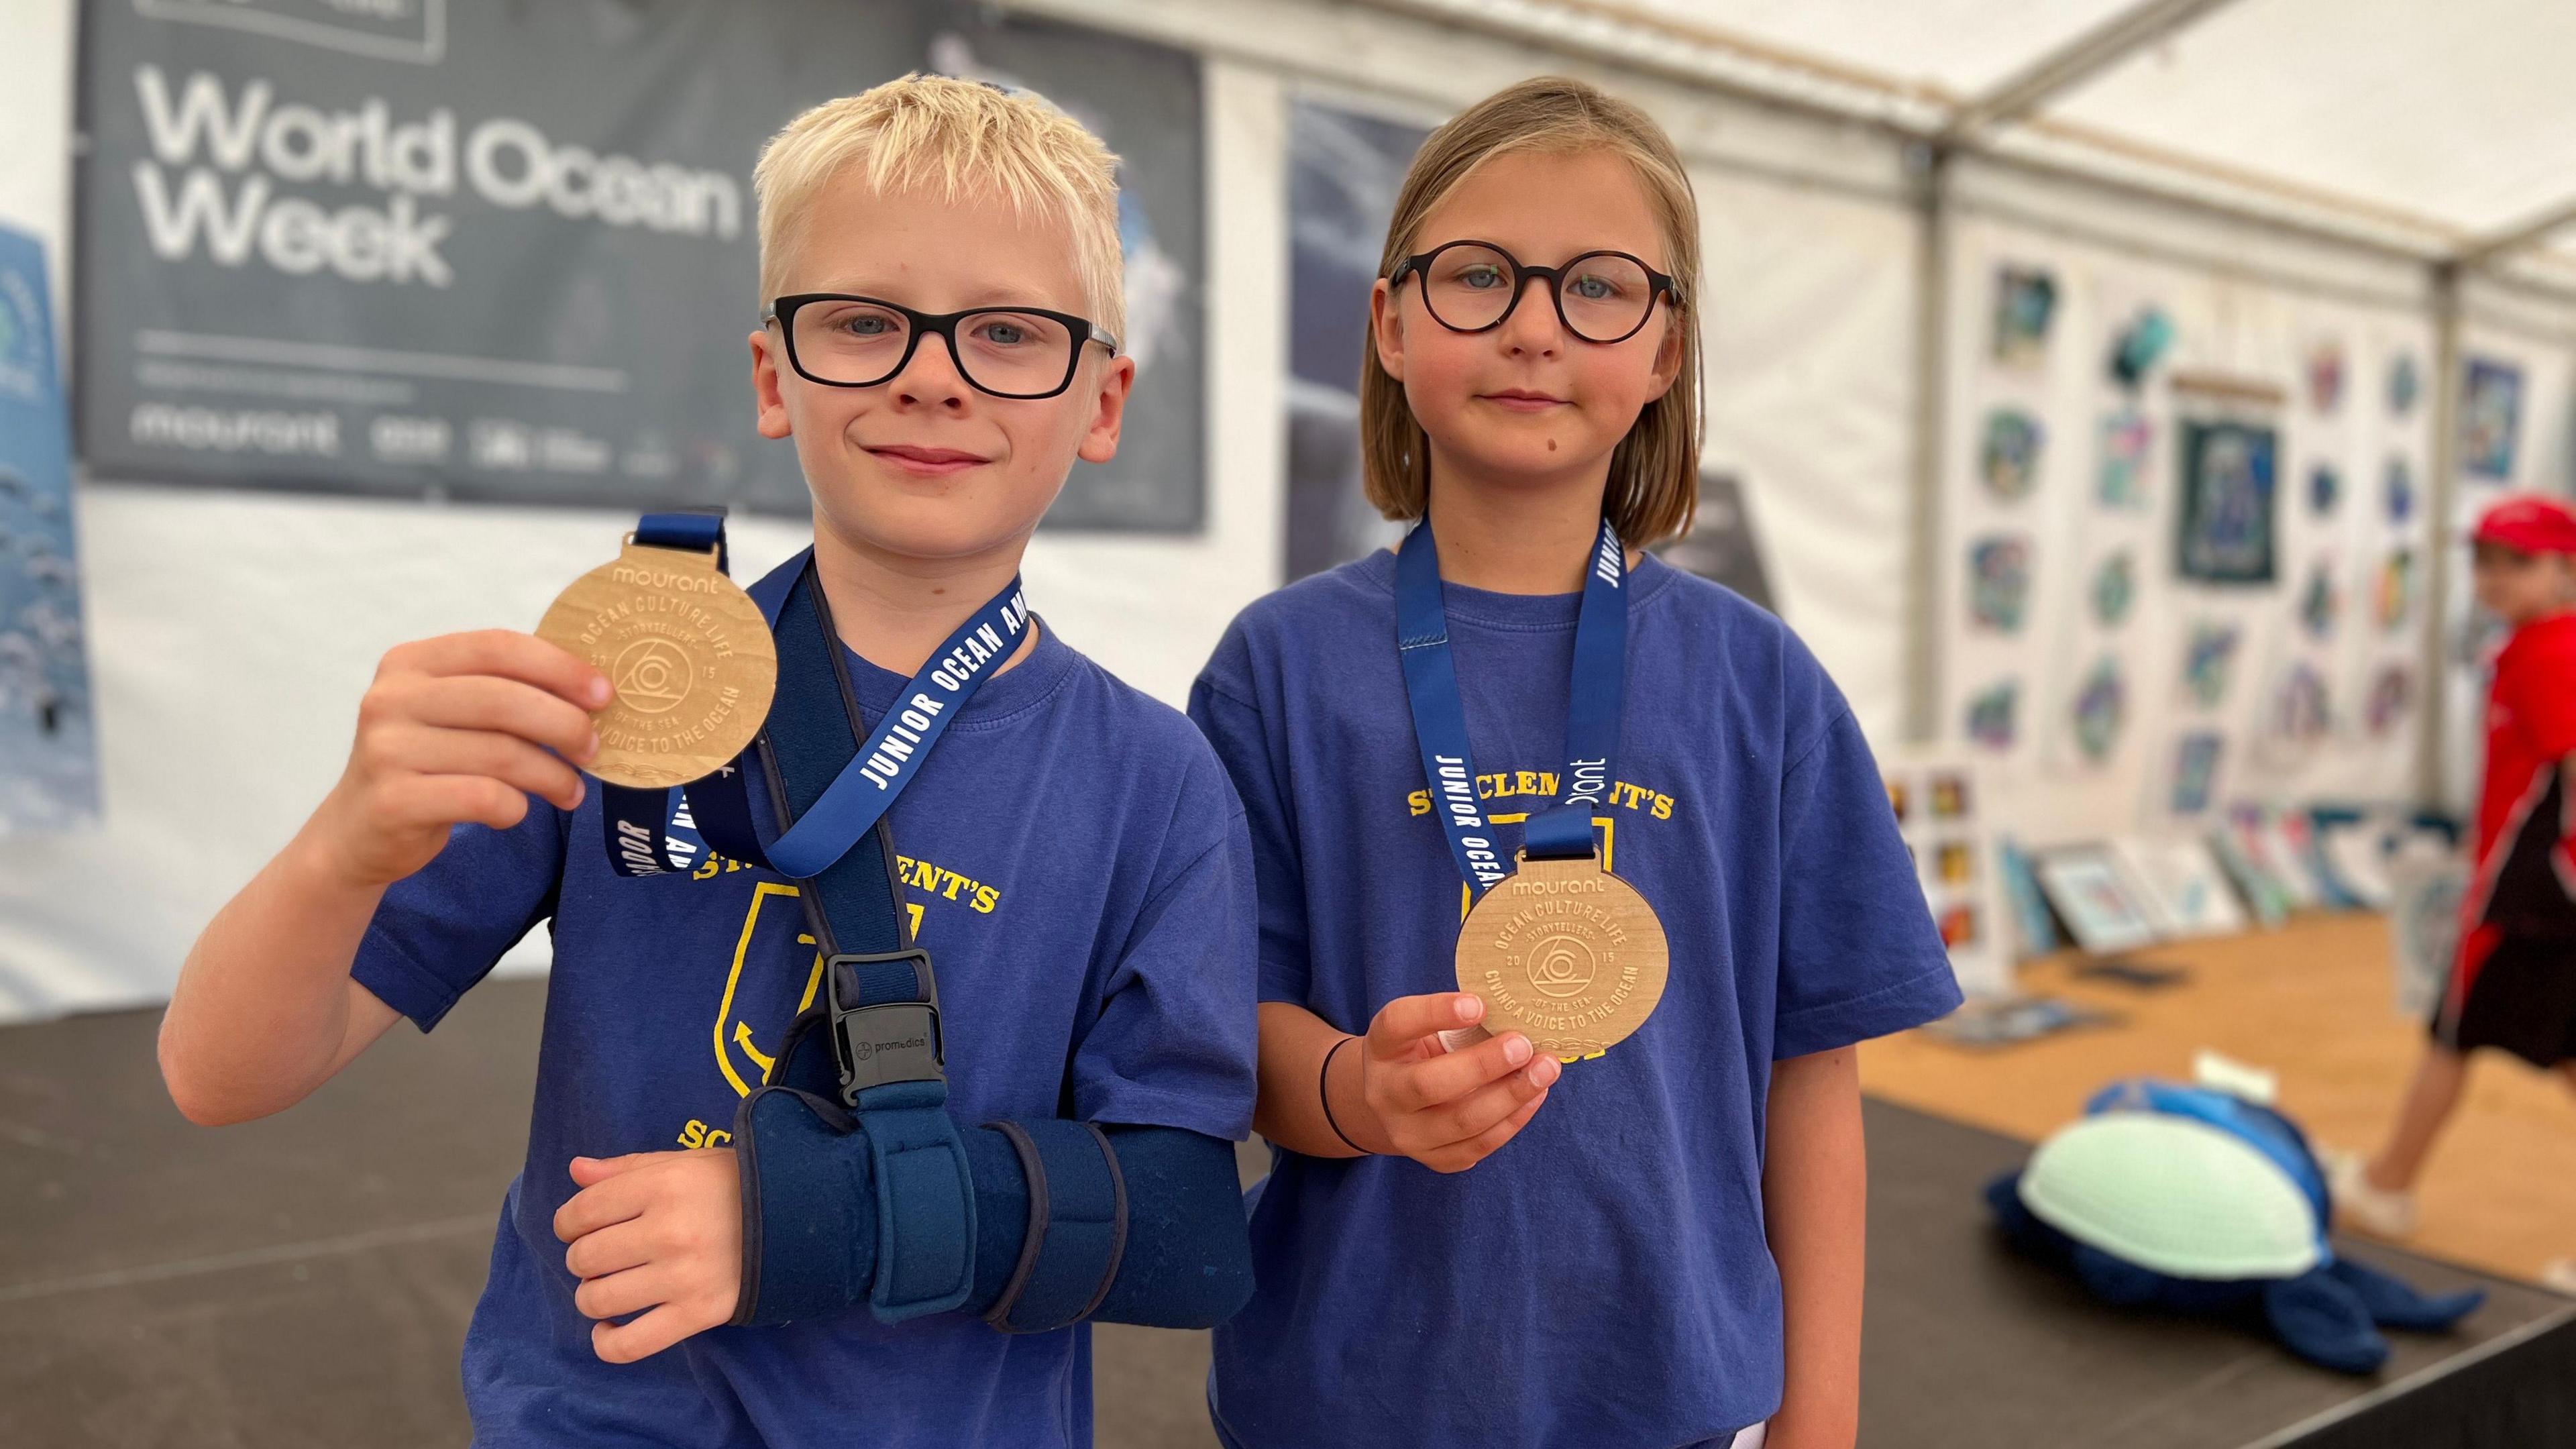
(1109, 413)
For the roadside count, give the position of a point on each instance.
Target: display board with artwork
(1939, 804)
(2183, 538)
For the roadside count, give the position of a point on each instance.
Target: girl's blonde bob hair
(1654, 472)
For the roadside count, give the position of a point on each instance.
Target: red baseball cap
(2528, 523)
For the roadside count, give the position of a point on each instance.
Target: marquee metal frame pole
(1928, 167)
(2441, 503)
(2123, 35)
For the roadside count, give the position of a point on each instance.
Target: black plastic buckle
(893, 1041)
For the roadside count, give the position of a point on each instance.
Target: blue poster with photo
(48, 741)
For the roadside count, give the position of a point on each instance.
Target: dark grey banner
(506, 252)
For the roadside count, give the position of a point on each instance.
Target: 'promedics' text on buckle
(883, 1041)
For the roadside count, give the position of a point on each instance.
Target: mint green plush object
(2173, 1195)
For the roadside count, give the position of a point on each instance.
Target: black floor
(307, 1280)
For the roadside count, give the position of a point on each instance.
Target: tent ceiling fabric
(2462, 111)
(2455, 120)
(1960, 47)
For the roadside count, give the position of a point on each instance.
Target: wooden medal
(687, 652)
(1565, 953)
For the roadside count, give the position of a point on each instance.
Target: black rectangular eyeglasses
(842, 340)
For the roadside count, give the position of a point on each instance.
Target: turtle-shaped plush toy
(2193, 1200)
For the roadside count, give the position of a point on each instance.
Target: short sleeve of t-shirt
(1859, 956)
(1174, 1042)
(1258, 766)
(440, 929)
(2544, 689)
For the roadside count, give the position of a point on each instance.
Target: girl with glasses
(1583, 1168)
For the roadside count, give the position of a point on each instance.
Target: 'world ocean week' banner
(507, 252)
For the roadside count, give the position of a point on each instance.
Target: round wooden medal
(689, 656)
(1565, 953)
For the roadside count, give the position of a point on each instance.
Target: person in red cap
(2513, 980)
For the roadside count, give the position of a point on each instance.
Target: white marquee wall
(232, 632)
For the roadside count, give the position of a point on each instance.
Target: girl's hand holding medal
(1403, 1091)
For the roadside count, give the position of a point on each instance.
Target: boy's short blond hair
(947, 138)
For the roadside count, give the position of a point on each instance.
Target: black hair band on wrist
(1323, 1093)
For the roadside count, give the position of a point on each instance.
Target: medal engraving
(1565, 953)
(687, 653)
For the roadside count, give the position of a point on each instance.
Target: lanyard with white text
(866, 787)
(656, 831)
(1564, 830)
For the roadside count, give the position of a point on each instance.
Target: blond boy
(940, 307)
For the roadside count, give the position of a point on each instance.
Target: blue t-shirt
(1604, 1279)
(1076, 865)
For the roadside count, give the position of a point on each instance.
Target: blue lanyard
(1564, 830)
(649, 832)
(867, 786)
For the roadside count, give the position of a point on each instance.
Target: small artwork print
(1954, 863)
(2227, 505)
(2135, 352)
(2299, 712)
(2325, 377)
(2100, 708)
(2404, 386)
(2099, 904)
(2031, 919)
(2288, 845)
(2115, 587)
(2394, 597)
(2126, 437)
(2318, 602)
(2490, 416)
(1959, 927)
(2325, 489)
(2240, 850)
(2425, 888)
(2195, 781)
(2206, 661)
(1992, 721)
(1949, 797)
(2008, 459)
(2392, 689)
(2183, 887)
(1999, 582)
(2025, 301)
(2397, 489)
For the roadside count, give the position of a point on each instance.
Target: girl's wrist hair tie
(1324, 1094)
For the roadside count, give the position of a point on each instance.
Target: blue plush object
(2329, 1315)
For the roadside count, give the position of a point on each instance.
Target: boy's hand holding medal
(457, 729)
